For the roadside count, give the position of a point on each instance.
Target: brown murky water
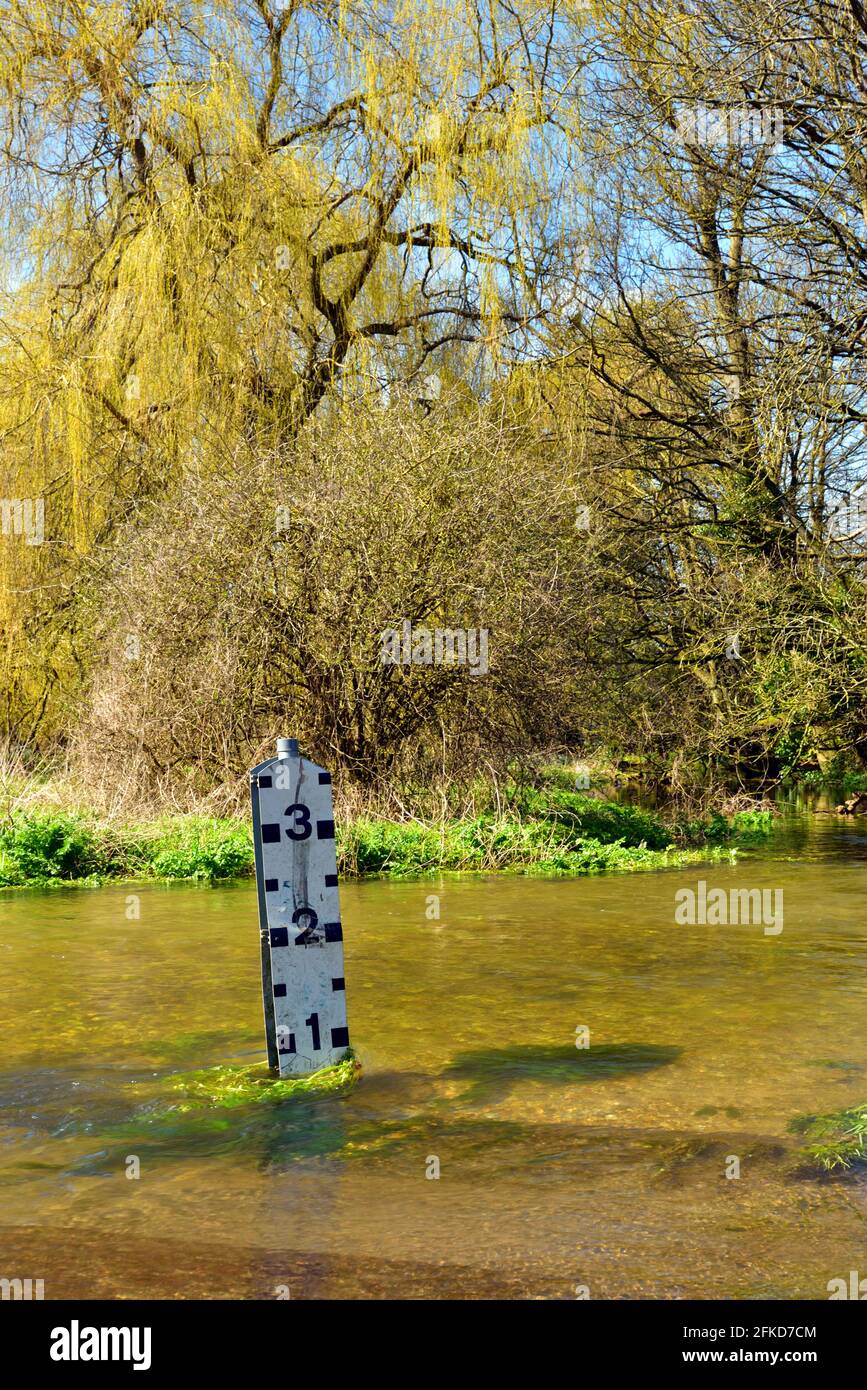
(559, 1167)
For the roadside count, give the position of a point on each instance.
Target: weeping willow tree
(223, 217)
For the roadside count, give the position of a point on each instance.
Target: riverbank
(546, 829)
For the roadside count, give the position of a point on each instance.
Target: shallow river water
(561, 1169)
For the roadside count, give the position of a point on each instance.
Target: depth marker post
(303, 988)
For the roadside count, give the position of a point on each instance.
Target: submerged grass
(197, 1110)
(545, 829)
(834, 1141)
(228, 1088)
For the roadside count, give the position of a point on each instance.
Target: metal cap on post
(287, 748)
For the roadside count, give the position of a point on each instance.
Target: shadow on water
(494, 1072)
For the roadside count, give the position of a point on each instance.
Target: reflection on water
(559, 1166)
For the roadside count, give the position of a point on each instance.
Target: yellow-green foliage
(224, 212)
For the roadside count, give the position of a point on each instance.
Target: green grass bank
(546, 829)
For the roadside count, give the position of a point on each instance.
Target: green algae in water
(229, 1088)
(222, 1109)
(837, 1140)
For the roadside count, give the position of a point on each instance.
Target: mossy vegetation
(834, 1141)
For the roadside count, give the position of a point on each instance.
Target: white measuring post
(299, 913)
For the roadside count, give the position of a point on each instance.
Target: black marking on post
(333, 931)
(330, 880)
(271, 833)
(264, 944)
(325, 779)
(272, 885)
(279, 991)
(340, 1037)
(307, 936)
(279, 936)
(325, 830)
(290, 1046)
(265, 781)
(337, 982)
